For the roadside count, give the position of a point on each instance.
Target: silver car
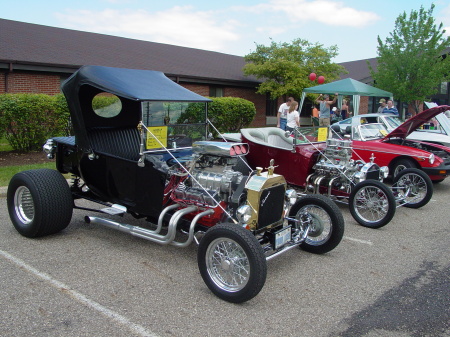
(436, 131)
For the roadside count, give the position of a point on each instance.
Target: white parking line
(118, 318)
(370, 243)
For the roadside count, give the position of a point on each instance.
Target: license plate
(282, 237)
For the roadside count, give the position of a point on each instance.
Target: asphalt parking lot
(93, 281)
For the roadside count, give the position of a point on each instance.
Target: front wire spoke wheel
(414, 188)
(320, 225)
(232, 262)
(227, 264)
(372, 204)
(321, 220)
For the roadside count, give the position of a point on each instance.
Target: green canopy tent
(347, 86)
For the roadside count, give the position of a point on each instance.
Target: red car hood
(414, 122)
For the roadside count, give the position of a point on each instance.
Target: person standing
(282, 113)
(324, 108)
(390, 108)
(344, 109)
(382, 105)
(293, 117)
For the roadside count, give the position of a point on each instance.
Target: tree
(285, 67)
(412, 61)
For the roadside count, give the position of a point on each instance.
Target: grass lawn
(4, 145)
(6, 172)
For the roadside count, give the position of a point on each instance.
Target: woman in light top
(293, 117)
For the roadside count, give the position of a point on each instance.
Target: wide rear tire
(39, 202)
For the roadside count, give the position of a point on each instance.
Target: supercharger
(211, 177)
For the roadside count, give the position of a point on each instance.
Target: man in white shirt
(282, 113)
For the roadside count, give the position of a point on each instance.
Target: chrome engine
(211, 178)
(335, 170)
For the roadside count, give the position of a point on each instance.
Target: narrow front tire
(232, 263)
(325, 221)
(414, 187)
(372, 204)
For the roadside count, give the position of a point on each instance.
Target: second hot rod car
(316, 160)
(138, 150)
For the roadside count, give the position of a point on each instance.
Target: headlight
(431, 158)
(291, 196)
(49, 148)
(244, 213)
(384, 172)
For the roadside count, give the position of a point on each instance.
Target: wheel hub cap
(24, 205)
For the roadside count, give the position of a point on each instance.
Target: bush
(228, 114)
(28, 120)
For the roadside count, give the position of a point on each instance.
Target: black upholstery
(119, 142)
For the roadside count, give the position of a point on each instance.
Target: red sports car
(398, 153)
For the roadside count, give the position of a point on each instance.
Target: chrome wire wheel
(24, 205)
(232, 262)
(320, 224)
(371, 203)
(398, 169)
(322, 219)
(414, 188)
(227, 264)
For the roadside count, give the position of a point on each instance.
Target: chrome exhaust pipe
(191, 229)
(154, 235)
(143, 232)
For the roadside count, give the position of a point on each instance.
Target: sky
(233, 26)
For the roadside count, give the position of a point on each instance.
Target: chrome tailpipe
(153, 235)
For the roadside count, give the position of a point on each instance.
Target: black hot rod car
(137, 149)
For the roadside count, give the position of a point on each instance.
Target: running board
(114, 209)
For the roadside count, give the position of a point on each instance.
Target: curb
(3, 190)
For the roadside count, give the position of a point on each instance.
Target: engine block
(336, 170)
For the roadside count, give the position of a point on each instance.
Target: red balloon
(321, 79)
(312, 76)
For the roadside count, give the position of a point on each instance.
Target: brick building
(37, 59)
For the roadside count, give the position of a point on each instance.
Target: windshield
(392, 122)
(369, 132)
(173, 124)
(311, 134)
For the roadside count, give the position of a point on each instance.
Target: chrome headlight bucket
(431, 158)
(244, 214)
(49, 148)
(384, 172)
(291, 196)
(360, 176)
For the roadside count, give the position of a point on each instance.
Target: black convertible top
(131, 85)
(134, 84)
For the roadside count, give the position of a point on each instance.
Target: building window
(216, 91)
(271, 106)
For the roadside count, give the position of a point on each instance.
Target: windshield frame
(370, 131)
(172, 126)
